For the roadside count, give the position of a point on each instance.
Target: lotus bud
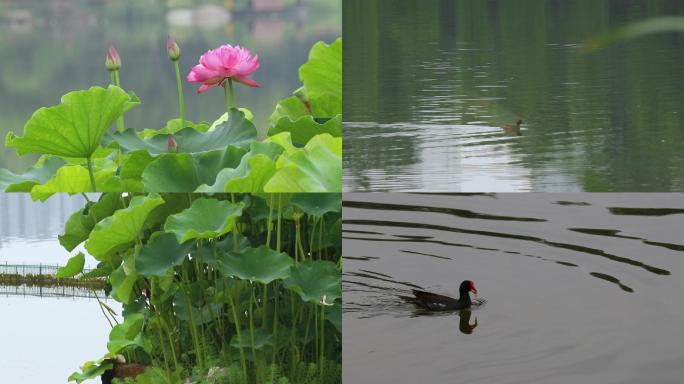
(113, 62)
(172, 49)
(171, 144)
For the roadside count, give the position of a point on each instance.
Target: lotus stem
(227, 97)
(91, 174)
(181, 100)
(232, 93)
(251, 326)
(117, 81)
(239, 336)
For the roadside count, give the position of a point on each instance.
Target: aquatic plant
(239, 285)
(301, 153)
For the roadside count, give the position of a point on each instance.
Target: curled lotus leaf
(205, 219)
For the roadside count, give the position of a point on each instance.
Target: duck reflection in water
(464, 325)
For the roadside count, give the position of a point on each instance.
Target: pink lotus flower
(224, 62)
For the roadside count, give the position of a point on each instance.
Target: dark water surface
(580, 288)
(428, 84)
(49, 48)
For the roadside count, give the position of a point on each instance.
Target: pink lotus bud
(171, 144)
(113, 62)
(172, 49)
(224, 62)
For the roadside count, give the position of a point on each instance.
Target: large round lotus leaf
(160, 254)
(118, 231)
(11, 182)
(127, 333)
(75, 127)
(306, 127)
(322, 73)
(209, 254)
(184, 172)
(237, 131)
(261, 264)
(254, 171)
(205, 219)
(73, 267)
(315, 168)
(318, 204)
(313, 280)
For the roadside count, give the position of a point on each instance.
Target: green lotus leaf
(255, 169)
(322, 73)
(224, 118)
(127, 333)
(183, 172)
(195, 299)
(132, 168)
(123, 280)
(118, 231)
(334, 315)
(205, 219)
(210, 255)
(314, 280)
(74, 179)
(237, 131)
(173, 126)
(261, 264)
(323, 107)
(262, 338)
(40, 174)
(80, 223)
(160, 254)
(318, 204)
(315, 168)
(75, 127)
(306, 127)
(91, 370)
(73, 267)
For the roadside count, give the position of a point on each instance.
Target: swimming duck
(435, 302)
(513, 129)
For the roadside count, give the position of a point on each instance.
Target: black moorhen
(435, 302)
(513, 129)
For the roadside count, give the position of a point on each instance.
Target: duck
(434, 302)
(121, 370)
(513, 129)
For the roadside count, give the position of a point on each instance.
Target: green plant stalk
(311, 238)
(322, 356)
(165, 326)
(181, 101)
(193, 327)
(269, 227)
(251, 327)
(320, 240)
(280, 215)
(275, 322)
(235, 228)
(237, 331)
(117, 81)
(165, 356)
(89, 162)
(227, 97)
(232, 93)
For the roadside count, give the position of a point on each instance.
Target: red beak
(473, 289)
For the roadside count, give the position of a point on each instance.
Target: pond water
(579, 288)
(428, 84)
(34, 349)
(50, 48)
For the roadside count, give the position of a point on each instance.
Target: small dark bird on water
(435, 302)
(513, 129)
